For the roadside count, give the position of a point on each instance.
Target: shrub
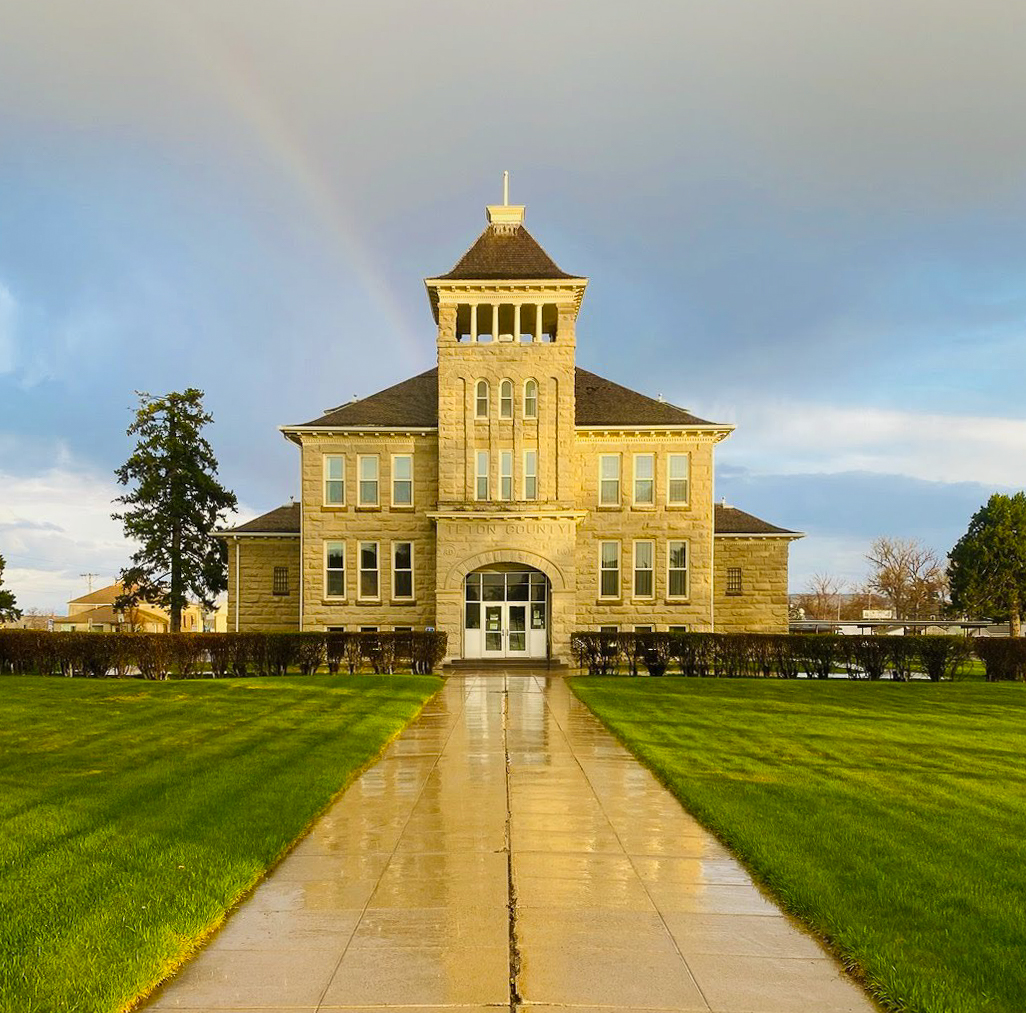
(818, 652)
(186, 653)
(786, 662)
(941, 657)
(154, 653)
(219, 651)
(870, 653)
(1004, 658)
(427, 650)
(310, 652)
(656, 652)
(904, 655)
(279, 651)
(732, 656)
(692, 652)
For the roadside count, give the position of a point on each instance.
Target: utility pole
(89, 578)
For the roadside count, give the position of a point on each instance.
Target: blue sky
(806, 218)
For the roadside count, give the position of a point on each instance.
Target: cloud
(807, 437)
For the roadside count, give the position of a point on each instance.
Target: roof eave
(790, 536)
(432, 285)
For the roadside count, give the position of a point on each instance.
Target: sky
(804, 217)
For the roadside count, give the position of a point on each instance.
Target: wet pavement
(507, 851)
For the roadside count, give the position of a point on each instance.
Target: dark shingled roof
(282, 520)
(502, 254)
(600, 402)
(413, 402)
(731, 521)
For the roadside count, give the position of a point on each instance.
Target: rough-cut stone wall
(660, 523)
(762, 605)
(384, 524)
(461, 434)
(546, 544)
(259, 607)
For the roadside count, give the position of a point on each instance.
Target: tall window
(531, 399)
(644, 479)
(506, 474)
(644, 559)
(609, 570)
(530, 474)
(506, 399)
(609, 480)
(369, 573)
(677, 479)
(481, 475)
(402, 480)
(734, 580)
(677, 569)
(334, 569)
(481, 399)
(368, 480)
(334, 480)
(281, 580)
(402, 569)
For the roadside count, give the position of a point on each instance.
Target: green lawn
(134, 814)
(890, 817)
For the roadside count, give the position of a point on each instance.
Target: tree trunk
(176, 530)
(1014, 616)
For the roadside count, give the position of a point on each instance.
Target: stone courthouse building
(507, 496)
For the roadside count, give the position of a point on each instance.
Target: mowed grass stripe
(891, 818)
(135, 814)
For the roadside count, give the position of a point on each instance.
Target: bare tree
(823, 599)
(909, 575)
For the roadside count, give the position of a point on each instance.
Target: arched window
(530, 399)
(481, 400)
(506, 399)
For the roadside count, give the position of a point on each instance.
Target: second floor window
(369, 480)
(481, 475)
(481, 399)
(334, 480)
(677, 479)
(530, 474)
(506, 474)
(609, 570)
(531, 399)
(609, 480)
(402, 480)
(402, 569)
(644, 479)
(506, 399)
(334, 570)
(369, 573)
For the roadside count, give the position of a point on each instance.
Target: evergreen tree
(175, 503)
(8, 607)
(987, 568)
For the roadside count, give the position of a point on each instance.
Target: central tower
(507, 460)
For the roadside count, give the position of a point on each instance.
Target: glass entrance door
(516, 630)
(494, 631)
(505, 614)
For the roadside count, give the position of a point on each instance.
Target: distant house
(96, 612)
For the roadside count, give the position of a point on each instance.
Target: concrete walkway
(506, 850)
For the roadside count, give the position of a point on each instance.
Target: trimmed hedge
(785, 656)
(195, 655)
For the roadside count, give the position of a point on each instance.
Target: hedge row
(192, 655)
(785, 656)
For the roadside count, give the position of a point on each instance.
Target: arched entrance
(506, 612)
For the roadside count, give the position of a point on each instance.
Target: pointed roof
(504, 253)
(729, 520)
(283, 520)
(101, 596)
(413, 404)
(601, 402)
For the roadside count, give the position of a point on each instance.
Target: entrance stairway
(525, 666)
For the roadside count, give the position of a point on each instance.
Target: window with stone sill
(368, 466)
(734, 580)
(280, 582)
(370, 584)
(530, 399)
(402, 569)
(402, 480)
(334, 569)
(609, 570)
(506, 399)
(609, 480)
(644, 480)
(677, 569)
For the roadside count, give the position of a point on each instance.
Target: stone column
(473, 321)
